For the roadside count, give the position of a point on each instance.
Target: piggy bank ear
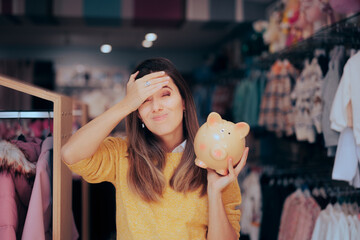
(213, 118)
(243, 128)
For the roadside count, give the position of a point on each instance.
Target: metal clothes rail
(32, 114)
(26, 114)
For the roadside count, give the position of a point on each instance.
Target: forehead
(172, 85)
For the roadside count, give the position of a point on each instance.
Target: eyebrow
(167, 87)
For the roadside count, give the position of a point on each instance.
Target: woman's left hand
(216, 182)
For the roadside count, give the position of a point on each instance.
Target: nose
(156, 105)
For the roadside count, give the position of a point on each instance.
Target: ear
(213, 118)
(243, 128)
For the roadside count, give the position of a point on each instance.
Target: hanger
(21, 137)
(49, 125)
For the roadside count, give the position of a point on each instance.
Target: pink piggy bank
(217, 140)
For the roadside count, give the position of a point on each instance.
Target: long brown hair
(147, 155)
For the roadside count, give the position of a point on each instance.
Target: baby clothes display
(251, 206)
(276, 111)
(247, 98)
(338, 222)
(26, 185)
(330, 85)
(348, 91)
(308, 102)
(347, 159)
(347, 121)
(16, 183)
(298, 217)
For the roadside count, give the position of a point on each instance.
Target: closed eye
(166, 94)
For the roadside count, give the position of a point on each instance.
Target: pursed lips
(160, 117)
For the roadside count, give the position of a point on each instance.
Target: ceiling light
(151, 37)
(105, 48)
(147, 44)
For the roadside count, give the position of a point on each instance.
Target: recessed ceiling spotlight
(151, 37)
(105, 48)
(147, 44)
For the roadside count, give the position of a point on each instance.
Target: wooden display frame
(85, 223)
(62, 178)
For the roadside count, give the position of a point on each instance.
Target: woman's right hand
(138, 91)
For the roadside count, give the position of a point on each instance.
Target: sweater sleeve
(102, 165)
(231, 198)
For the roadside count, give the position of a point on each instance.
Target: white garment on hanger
(348, 90)
(352, 228)
(347, 159)
(339, 225)
(307, 94)
(322, 225)
(357, 224)
(251, 206)
(331, 83)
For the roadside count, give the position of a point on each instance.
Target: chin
(160, 131)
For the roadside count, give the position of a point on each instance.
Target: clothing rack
(316, 178)
(62, 178)
(33, 114)
(26, 114)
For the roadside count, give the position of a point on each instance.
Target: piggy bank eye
(222, 130)
(229, 133)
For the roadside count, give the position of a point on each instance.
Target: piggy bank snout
(218, 153)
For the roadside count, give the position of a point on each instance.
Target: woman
(160, 193)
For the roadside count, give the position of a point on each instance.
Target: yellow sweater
(176, 216)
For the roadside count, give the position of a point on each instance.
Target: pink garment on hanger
(15, 191)
(38, 219)
(8, 209)
(48, 127)
(36, 128)
(31, 148)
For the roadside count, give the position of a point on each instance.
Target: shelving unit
(345, 32)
